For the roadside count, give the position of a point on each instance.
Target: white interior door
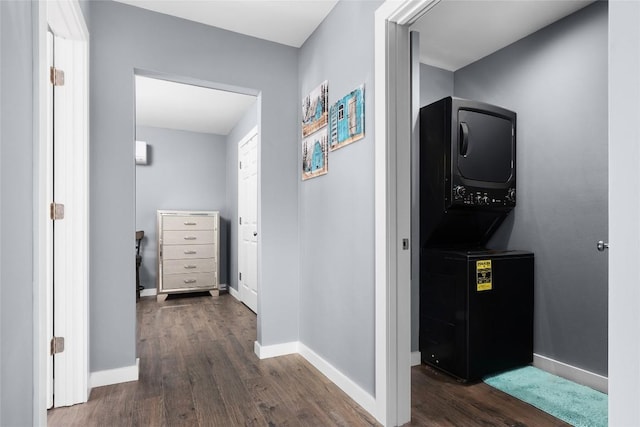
(248, 220)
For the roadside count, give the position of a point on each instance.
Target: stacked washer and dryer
(476, 304)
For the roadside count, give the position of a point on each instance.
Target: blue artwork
(315, 153)
(315, 109)
(346, 119)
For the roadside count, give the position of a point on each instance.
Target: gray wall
(124, 38)
(241, 129)
(185, 171)
(16, 210)
(337, 318)
(556, 80)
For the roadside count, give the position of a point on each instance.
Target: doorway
(399, 34)
(189, 130)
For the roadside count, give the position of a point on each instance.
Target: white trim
(269, 351)
(416, 358)
(148, 292)
(624, 210)
(382, 327)
(412, 10)
(234, 293)
(575, 374)
(392, 330)
(115, 376)
(40, 224)
(353, 390)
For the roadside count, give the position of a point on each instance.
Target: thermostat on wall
(141, 153)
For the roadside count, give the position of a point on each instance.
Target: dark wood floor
(197, 368)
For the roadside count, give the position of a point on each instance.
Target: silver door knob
(602, 246)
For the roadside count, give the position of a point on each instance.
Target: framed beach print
(346, 119)
(315, 109)
(315, 155)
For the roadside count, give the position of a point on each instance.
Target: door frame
(392, 351)
(66, 20)
(624, 211)
(252, 133)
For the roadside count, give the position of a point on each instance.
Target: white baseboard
(416, 358)
(233, 292)
(266, 352)
(115, 376)
(578, 375)
(353, 390)
(148, 292)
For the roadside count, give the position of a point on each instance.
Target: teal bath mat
(573, 403)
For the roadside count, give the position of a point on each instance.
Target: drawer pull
(190, 252)
(190, 237)
(190, 223)
(190, 266)
(187, 281)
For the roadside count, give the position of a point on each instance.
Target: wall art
(315, 109)
(315, 155)
(346, 119)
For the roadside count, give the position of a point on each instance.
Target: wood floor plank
(198, 368)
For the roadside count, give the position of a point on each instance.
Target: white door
(67, 261)
(248, 220)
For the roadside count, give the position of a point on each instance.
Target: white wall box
(188, 252)
(141, 153)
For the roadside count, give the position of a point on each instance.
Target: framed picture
(315, 155)
(315, 109)
(346, 119)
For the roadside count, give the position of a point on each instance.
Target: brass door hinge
(56, 211)
(56, 77)
(57, 345)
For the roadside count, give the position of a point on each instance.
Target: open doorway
(186, 160)
(399, 33)
(541, 74)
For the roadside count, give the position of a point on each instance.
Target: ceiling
(288, 22)
(453, 34)
(165, 104)
(456, 33)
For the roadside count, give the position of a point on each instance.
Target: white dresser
(188, 252)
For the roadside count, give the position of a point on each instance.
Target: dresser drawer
(195, 222)
(188, 237)
(188, 252)
(182, 266)
(189, 281)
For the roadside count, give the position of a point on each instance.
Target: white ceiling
(455, 33)
(288, 22)
(172, 105)
(165, 104)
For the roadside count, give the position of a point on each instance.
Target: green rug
(573, 403)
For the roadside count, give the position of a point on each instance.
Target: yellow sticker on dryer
(483, 275)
